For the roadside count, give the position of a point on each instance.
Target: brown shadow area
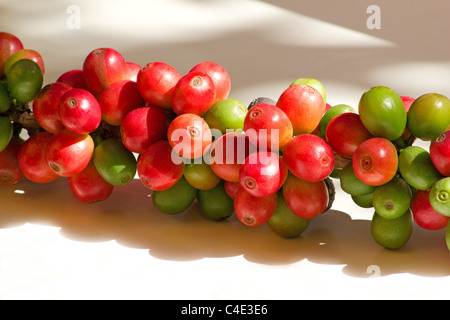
(129, 218)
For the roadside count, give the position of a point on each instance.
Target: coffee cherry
(156, 81)
(118, 99)
(254, 211)
(32, 158)
(46, 106)
(89, 186)
(260, 174)
(102, 67)
(141, 127)
(189, 135)
(309, 157)
(194, 93)
(68, 153)
(219, 76)
(79, 111)
(10, 172)
(159, 168)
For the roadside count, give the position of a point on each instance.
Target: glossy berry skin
(260, 174)
(9, 44)
(440, 196)
(375, 161)
(79, 111)
(24, 54)
(228, 153)
(254, 211)
(304, 106)
(156, 81)
(102, 67)
(309, 157)
(133, 70)
(306, 199)
(219, 75)
(268, 127)
(416, 167)
(440, 153)
(226, 115)
(46, 106)
(407, 102)
(118, 99)
(194, 93)
(32, 158)
(231, 188)
(24, 80)
(10, 172)
(115, 163)
(89, 186)
(158, 167)
(69, 153)
(383, 113)
(189, 135)
(424, 214)
(345, 133)
(144, 126)
(429, 116)
(73, 78)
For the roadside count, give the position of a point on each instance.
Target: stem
(410, 140)
(401, 143)
(23, 118)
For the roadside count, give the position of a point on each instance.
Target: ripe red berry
(228, 153)
(305, 198)
(231, 188)
(10, 172)
(144, 126)
(73, 78)
(24, 54)
(268, 127)
(189, 135)
(304, 106)
(46, 106)
(133, 70)
(9, 44)
(118, 99)
(309, 157)
(424, 214)
(219, 75)
(440, 153)
(375, 161)
(260, 174)
(32, 158)
(345, 133)
(157, 168)
(79, 111)
(89, 186)
(69, 153)
(254, 211)
(194, 93)
(156, 81)
(102, 67)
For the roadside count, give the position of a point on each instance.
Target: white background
(54, 247)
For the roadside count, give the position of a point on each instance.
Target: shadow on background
(129, 218)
